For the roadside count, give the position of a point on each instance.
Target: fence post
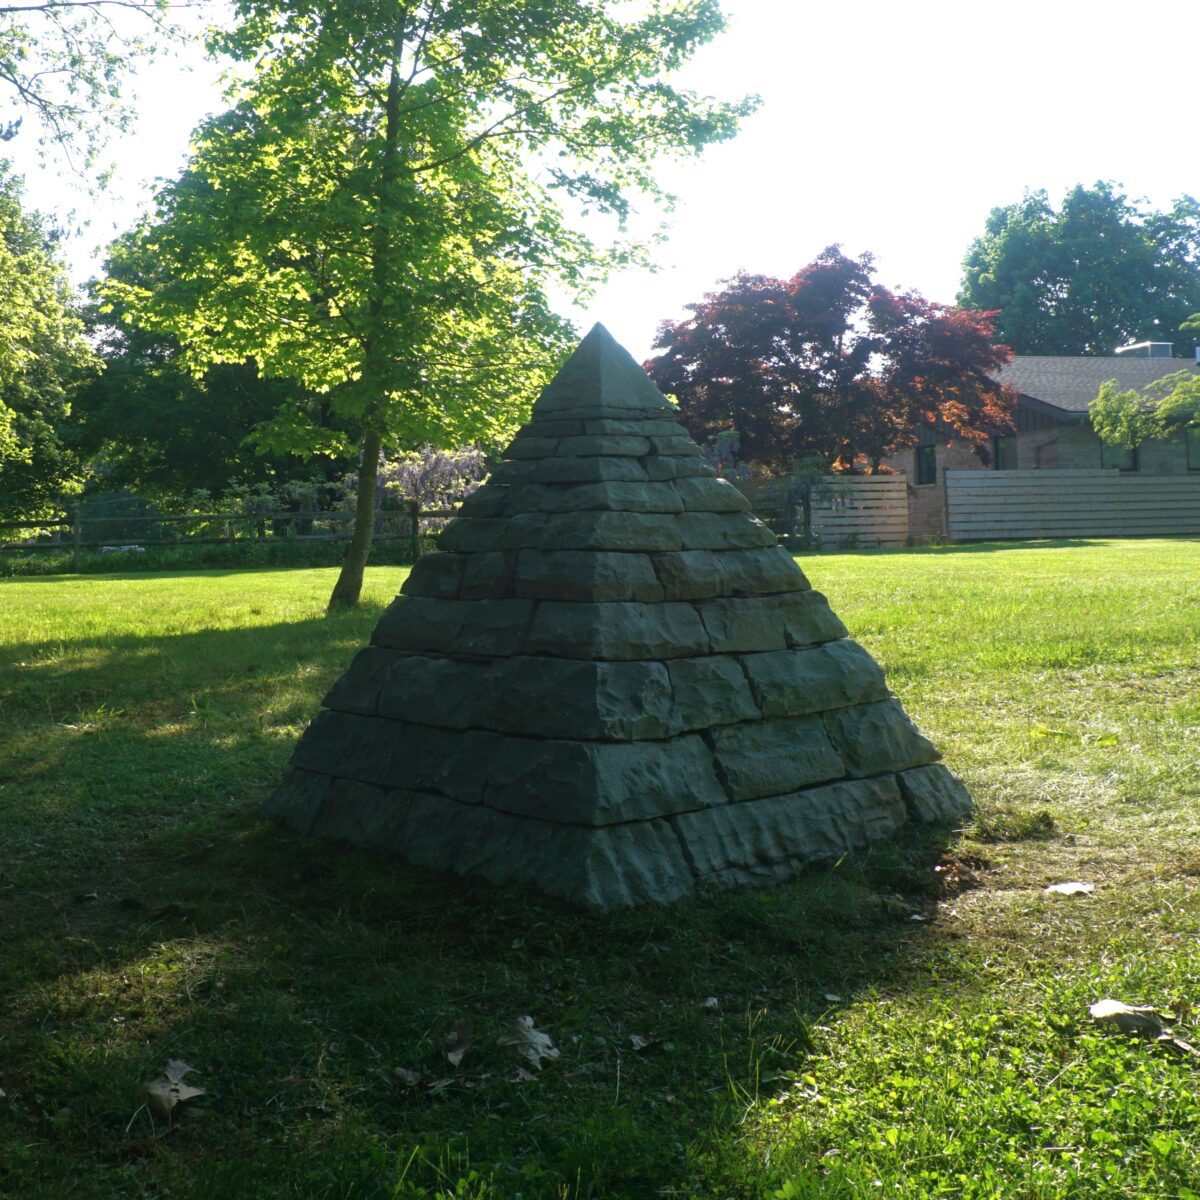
(76, 538)
(414, 529)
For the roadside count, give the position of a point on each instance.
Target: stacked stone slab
(610, 682)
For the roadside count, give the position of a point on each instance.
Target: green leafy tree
(380, 214)
(149, 425)
(65, 62)
(1096, 273)
(43, 357)
(1165, 409)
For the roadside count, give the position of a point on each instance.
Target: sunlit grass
(149, 913)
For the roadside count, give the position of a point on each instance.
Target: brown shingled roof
(1071, 383)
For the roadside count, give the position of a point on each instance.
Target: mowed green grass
(815, 1040)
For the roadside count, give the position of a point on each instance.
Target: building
(1053, 434)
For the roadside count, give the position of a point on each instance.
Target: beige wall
(1060, 447)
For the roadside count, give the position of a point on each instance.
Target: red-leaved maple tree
(830, 366)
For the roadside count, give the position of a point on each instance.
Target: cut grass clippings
(909, 1022)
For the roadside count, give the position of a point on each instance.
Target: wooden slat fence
(1001, 505)
(82, 532)
(862, 510)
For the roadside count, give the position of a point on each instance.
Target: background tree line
(357, 259)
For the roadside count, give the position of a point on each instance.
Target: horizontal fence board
(867, 509)
(1063, 503)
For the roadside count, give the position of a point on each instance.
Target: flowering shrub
(433, 478)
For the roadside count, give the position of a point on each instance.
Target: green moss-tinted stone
(874, 738)
(358, 690)
(691, 574)
(792, 683)
(489, 627)
(807, 619)
(433, 691)
(487, 501)
(933, 795)
(769, 758)
(489, 575)
(648, 427)
(611, 867)
(703, 494)
(514, 471)
(348, 746)
(676, 468)
(362, 814)
(398, 754)
(575, 698)
(743, 624)
(602, 783)
(554, 427)
(762, 570)
(296, 802)
(595, 497)
(611, 681)
(529, 445)
(616, 631)
(712, 690)
(472, 535)
(588, 470)
(670, 446)
(722, 531)
(621, 445)
(435, 574)
(586, 575)
(765, 840)
(610, 531)
(599, 373)
(708, 574)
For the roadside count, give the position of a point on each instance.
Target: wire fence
(85, 531)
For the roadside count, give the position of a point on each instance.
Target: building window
(927, 464)
(1122, 458)
(1192, 437)
(1004, 453)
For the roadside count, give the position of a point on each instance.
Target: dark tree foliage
(1098, 273)
(829, 365)
(43, 358)
(149, 425)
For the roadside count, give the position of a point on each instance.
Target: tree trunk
(348, 589)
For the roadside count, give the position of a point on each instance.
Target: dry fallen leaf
(1073, 888)
(458, 1041)
(1141, 1020)
(644, 1041)
(527, 1042)
(164, 1094)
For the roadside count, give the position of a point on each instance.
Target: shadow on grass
(152, 914)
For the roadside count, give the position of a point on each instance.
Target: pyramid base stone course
(609, 682)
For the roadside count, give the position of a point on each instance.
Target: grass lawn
(147, 913)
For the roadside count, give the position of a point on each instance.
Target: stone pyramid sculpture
(610, 682)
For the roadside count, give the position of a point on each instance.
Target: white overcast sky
(889, 127)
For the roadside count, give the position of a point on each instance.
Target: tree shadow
(153, 914)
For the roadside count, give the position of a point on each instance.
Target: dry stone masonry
(610, 682)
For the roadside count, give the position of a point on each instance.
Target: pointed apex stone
(601, 373)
